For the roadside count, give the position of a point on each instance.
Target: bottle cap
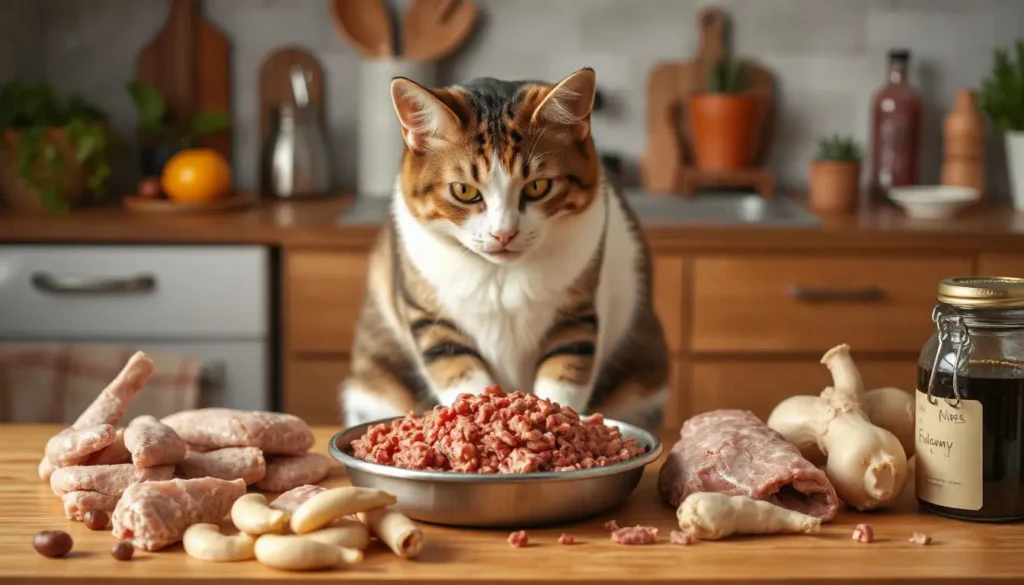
(899, 55)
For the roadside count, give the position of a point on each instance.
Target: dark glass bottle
(970, 402)
(895, 130)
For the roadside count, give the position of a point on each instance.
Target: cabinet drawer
(809, 304)
(669, 289)
(311, 389)
(759, 385)
(150, 292)
(323, 298)
(1001, 265)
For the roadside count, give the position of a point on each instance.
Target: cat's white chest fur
(506, 308)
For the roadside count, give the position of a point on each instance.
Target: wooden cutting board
(669, 84)
(189, 61)
(275, 83)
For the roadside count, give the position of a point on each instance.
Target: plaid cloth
(54, 383)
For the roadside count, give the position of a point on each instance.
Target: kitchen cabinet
(323, 296)
(311, 385)
(1001, 265)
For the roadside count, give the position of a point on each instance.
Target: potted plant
(163, 139)
(722, 118)
(835, 176)
(53, 151)
(1002, 99)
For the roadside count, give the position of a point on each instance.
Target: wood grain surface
(960, 553)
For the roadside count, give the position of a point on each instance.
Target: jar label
(949, 452)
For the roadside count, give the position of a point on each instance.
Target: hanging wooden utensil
(275, 83)
(433, 29)
(189, 62)
(368, 26)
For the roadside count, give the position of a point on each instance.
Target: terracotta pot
(835, 187)
(722, 127)
(18, 195)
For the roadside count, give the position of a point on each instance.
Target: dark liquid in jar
(1002, 402)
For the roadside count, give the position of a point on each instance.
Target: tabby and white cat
(508, 259)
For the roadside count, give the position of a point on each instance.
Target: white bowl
(933, 201)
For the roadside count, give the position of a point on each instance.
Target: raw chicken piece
(114, 400)
(245, 463)
(75, 446)
(293, 498)
(153, 443)
(45, 469)
(155, 514)
(285, 473)
(76, 504)
(271, 432)
(111, 480)
(114, 454)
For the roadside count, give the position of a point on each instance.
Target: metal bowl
(500, 500)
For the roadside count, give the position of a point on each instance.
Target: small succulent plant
(837, 148)
(729, 76)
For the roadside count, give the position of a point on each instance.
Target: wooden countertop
(314, 224)
(960, 553)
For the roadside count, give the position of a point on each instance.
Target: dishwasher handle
(82, 285)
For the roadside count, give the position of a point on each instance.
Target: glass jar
(970, 402)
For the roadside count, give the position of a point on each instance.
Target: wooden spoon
(433, 29)
(367, 25)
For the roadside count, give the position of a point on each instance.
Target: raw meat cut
(111, 480)
(734, 453)
(683, 537)
(285, 473)
(245, 463)
(77, 503)
(153, 443)
(155, 514)
(635, 535)
(215, 428)
(519, 539)
(610, 526)
(110, 406)
(293, 498)
(75, 446)
(566, 539)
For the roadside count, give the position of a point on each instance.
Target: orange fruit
(196, 175)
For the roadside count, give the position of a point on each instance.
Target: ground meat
(495, 432)
(733, 452)
(920, 538)
(566, 539)
(610, 526)
(635, 535)
(683, 537)
(863, 534)
(518, 539)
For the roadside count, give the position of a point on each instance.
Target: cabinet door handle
(810, 294)
(77, 285)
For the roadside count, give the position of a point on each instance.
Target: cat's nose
(504, 236)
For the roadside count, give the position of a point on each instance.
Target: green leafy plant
(838, 148)
(729, 76)
(153, 123)
(1002, 92)
(30, 113)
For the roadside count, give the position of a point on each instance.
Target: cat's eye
(464, 193)
(537, 189)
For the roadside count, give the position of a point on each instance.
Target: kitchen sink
(728, 208)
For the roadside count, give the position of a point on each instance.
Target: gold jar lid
(983, 292)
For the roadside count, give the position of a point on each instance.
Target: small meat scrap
(77, 503)
(920, 538)
(518, 539)
(111, 480)
(635, 535)
(154, 514)
(215, 428)
(683, 537)
(115, 453)
(75, 446)
(286, 472)
(110, 406)
(610, 526)
(863, 533)
(229, 463)
(153, 443)
(290, 500)
(566, 539)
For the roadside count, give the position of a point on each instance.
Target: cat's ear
(426, 120)
(569, 103)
